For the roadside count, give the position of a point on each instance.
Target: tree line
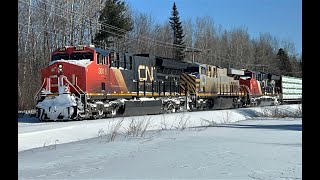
(44, 25)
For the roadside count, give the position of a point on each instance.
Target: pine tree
(177, 33)
(114, 14)
(284, 62)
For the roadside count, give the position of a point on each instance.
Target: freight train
(87, 82)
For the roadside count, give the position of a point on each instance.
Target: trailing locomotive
(86, 82)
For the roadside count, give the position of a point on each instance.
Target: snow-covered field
(237, 145)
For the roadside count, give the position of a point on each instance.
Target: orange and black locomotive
(86, 82)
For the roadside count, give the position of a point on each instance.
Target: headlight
(59, 68)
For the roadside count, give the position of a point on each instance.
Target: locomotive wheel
(112, 113)
(169, 108)
(100, 114)
(80, 117)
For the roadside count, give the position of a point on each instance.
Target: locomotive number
(102, 70)
(79, 48)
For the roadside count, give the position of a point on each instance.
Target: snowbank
(34, 135)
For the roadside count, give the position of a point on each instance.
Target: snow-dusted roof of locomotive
(197, 64)
(104, 52)
(83, 62)
(194, 64)
(200, 64)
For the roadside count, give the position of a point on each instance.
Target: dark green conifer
(179, 47)
(115, 22)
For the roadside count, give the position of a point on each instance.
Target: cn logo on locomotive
(145, 72)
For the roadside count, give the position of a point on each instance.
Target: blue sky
(280, 18)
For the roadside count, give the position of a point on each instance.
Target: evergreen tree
(284, 62)
(177, 33)
(115, 13)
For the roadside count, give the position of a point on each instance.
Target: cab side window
(101, 59)
(203, 71)
(130, 62)
(115, 59)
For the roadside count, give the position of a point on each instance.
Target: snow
(58, 105)
(262, 148)
(83, 62)
(34, 135)
(146, 99)
(64, 100)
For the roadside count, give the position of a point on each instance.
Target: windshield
(64, 56)
(79, 56)
(73, 56)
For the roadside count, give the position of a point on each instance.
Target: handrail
(247, 88)
(71, 84)
(44, 80)
(78, 86)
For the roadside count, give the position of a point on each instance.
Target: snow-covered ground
(33, 134)
(237, 145)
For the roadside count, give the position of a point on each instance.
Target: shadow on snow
(290, 127)
(248, 112)
(28, 120)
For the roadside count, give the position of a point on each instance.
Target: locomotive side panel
(97, 77)
(167, 76)
(143, 73)
(212, 79)
(115, 84)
